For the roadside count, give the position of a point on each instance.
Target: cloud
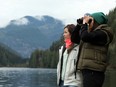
(66, 10)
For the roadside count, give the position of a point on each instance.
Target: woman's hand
(86, 19)
(89, 20)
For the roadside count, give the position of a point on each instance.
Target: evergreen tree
(112, 48)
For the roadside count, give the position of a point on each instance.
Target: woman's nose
(63, 34)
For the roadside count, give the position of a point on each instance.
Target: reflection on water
(27, 77)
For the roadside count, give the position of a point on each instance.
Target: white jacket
(69, 78)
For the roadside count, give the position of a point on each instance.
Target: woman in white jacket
(67, 75)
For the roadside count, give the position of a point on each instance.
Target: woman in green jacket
(95, 38)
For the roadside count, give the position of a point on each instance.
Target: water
(37, 77)
(27, 77)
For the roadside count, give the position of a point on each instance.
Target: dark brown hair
(70, 28)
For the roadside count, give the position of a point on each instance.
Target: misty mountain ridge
(28, 33)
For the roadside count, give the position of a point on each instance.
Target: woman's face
(66, 34)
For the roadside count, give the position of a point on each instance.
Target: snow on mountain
(39, 17)
(21, 21)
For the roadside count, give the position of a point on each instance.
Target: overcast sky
(66, 10)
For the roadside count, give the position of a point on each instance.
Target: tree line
(8, 57)
(46, 58)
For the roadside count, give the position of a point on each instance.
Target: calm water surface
(27, 77)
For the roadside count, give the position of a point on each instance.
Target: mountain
(28, 33)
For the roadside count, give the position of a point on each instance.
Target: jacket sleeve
(97, 37)
(75, 37)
